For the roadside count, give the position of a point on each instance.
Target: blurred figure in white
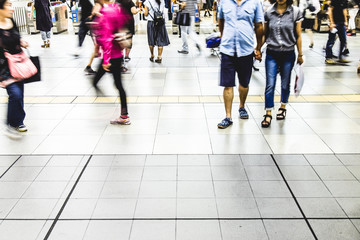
(353, 10)
(266, 5)
(310, 8)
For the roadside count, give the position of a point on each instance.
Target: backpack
(158, 17)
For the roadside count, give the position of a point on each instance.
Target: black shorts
(308, 23)
(241, 65)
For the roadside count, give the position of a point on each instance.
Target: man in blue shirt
(236, 24)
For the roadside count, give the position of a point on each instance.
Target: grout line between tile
(66, 201)
(293, 195)
(10, 166)
(173, 219)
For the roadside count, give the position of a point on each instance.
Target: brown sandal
(264, 123)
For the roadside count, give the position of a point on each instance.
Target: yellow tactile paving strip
(180, 99)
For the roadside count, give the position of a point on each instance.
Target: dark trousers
(341, 32)
(115, 69)
(16, 113)
(83, 30)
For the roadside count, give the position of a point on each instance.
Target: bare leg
(310, 35)
(228, 99)
(160, 50)
(243, 92)
(127, 52)
(92, 57)
(151, 50)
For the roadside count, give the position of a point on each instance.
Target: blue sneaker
(225, 123)
(243, 113)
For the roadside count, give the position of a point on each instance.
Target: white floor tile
(296, 144)
(18, 230)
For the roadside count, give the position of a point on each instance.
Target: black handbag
(37, 76)
(182, 19)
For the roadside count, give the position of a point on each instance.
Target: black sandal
(282, 114)
(158, 60)
(151, 59)
(264, 123)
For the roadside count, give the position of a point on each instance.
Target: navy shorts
(230, 65)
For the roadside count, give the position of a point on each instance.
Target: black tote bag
(182, 19)
(37, 76)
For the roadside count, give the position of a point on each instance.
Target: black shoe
(183, 51)
(198, 47)
(346, 52)
(88, 71)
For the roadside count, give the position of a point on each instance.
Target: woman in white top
(310, 8)
(156, 29)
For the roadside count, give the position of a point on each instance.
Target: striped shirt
(190, 7)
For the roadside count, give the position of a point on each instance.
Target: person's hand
(258, 55)
(332, 26)
(300, 60)
(106, 67)
(24, 44)
(346, 25)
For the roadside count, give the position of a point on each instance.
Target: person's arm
(331, 18)
(24, 44)
(221, 22)
(266, 29)
(346, 17)
(146, 11)
(182, 4)
(96, 10)
(259, 31)
(259, 18)
(299, 43)
(134, 10)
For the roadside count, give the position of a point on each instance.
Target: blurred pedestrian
(309, 8)
(338, 23)
(130, 10)
(189, 6)
(110, 21)
(11, 43)
(43, 21)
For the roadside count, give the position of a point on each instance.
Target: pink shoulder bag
(20, 65)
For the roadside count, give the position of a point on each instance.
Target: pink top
(111, 21)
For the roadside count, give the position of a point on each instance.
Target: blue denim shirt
(238, 34)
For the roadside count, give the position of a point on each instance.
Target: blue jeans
(16, 113)
(341, 31)
(278, 62)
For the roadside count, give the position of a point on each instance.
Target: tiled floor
(180, 197)
(172, 174)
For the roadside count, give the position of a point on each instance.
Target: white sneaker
(121, 121)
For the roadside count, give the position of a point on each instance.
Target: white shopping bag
(299, 79)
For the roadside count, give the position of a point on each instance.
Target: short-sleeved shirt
(154, 5)
(238, 38)
(190, 7)
(280, 35)
(338, 7)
